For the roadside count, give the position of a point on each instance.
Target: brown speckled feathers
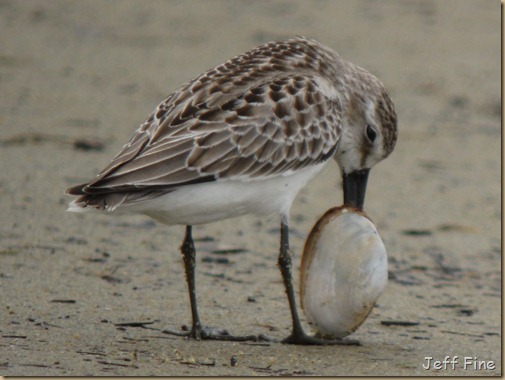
(273, 110)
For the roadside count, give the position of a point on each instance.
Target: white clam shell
(343, 271)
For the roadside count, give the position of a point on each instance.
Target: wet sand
(77, 78)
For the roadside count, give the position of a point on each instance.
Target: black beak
(355, 188)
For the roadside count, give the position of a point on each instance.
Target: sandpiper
(245, 137)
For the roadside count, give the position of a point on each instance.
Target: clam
(343, 271)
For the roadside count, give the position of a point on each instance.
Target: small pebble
(233, 361)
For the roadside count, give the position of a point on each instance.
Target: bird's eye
(371, 134)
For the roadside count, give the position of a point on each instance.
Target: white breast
(213, 201)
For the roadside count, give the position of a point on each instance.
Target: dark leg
(285, 265)
(298, 335)
(197, 331)
(188, 255)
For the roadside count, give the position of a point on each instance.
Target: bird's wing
(270, 128)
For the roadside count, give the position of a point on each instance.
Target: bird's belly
(213, 201)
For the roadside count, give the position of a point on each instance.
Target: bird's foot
(210, 333)
(303, 339)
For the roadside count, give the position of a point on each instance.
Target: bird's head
(369, 134)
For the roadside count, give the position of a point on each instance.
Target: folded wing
(269, 127)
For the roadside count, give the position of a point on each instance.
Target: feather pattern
(267, 112)
(277, 111)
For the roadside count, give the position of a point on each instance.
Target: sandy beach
(90, 294)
